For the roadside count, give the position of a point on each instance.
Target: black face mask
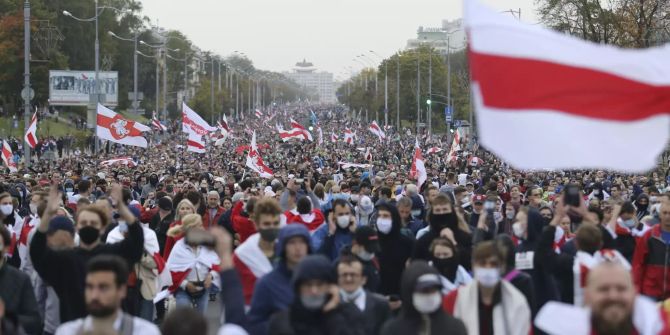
(441, 221)
(269, 234)
(447, 267)
(89, 234)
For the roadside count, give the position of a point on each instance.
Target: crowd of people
(478, 248)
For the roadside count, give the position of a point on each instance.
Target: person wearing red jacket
(213, 211)
(242, 224)
(253, 258)
(305, 215)
(651, 273)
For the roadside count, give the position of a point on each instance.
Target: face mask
(69, 190)
(653, 199)
(446, 266)
(416, 213)
(313, 302)
(596, 192)
(510, 215)
(630, 223)
(518, 230)
(351, 297)
(488, 277)
(89, 234)
(33, 208)
(354, 198)
(365, 255)
(384, 225)
(343, 221)
(6, 209)
(426, 303)
(269, 234)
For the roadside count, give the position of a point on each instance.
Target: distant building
(304, 74)
(437, 37)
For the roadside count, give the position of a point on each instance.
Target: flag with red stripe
(8, 156)
(192, 122)
(113, 127)
(538, 92)
(127, 161)
(375, 129)
(255, 161)
(31, 133)
(157, 123)
(195, 143)
(418, 170)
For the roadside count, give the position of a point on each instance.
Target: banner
(73, 88)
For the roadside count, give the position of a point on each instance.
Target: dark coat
(346, 319)
(19, 298)
(376, 313)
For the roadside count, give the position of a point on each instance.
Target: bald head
(610, 295)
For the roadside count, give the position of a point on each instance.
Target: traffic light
(428, 102)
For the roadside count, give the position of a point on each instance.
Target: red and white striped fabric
(255, 161)
(320, 131)
(259, 114)
(192, 122)
(334, 138)
(297, 126)
(346, 165)
(418, 170)
(455, 146)
(287, 135)
(475, 161)
(31, 133)
(127, 161)
(251, 264)
(368, 155)
(195, 143)
(537, 93)
(157, 123)
(152, 248)
(223, 126)
(434, 150)
(182, 259)
(115, 128)
(8, 157)
(349, 136)
(375, 129)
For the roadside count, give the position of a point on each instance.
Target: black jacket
(410, 321)
(560, 264)
(19, 298)
(370, 270)
(463, 238)
(65, 270)
(396, 249)
(161, 227)
(346, 319)
(376, 313)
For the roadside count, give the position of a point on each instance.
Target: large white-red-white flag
(418, 170)
(195, 143)
(298, 127)
(223, 126)
(287, 135)
(127, 161)
(192, 122)
(375, 129)
(349, 136)
(255, 161)
(31, 133)
(115, 128)
(8, 156)
(538, 92)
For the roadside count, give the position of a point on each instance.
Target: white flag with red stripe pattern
(375, 129)
(192, 122)
(255, 161)
(538, 92)
(31, 133)
(195, 143)
(418, 171)
(8, 156)
(115, 128)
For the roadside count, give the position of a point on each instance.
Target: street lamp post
(386, 89)
(397, 92)
(430, 91)
(135, 68)
(26, 78)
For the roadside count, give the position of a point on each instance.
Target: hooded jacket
(463, 238)
(396, 249)
(410, 321)
(345, 319)
(274, 291)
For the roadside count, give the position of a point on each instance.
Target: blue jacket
(274, 292)
(331, 245)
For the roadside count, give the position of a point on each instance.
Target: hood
(313, 267)
(289, 231)
(395, 216)
(408, 282)
(508, 243)
(536, 224)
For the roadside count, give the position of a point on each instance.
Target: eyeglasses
(349, 274)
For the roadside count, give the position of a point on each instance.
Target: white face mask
(384, 225)
(488, 277)
(518, 230)
(343, 221)
(365, 255)
(33, 208)
(351, 297)
(510, 215)
(6, 209)
(426, 303)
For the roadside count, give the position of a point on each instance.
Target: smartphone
(571, 196)
(200, 237)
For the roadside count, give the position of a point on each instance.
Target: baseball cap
(428, 281)
(478, 198)
(367, 237)
(60, 223)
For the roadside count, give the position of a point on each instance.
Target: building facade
(449, 35)
(305, 74)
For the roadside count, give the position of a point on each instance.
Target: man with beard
(105, 289)
(613, 308)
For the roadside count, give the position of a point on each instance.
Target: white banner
(73, 88)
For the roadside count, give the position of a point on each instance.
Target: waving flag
(334, 138)
(259, 114)
(255, 161)
(418, 171)
(223, 126)
(192, 122)
(182, 260)
(127, 161)
(349, 136)
(195, 143)
(368, 155)
(157, 123)
(31, 133)
(287, 135)
(8, 157)
(298, 127)
(346, 165)
(313, 117)
(375, 129)
(434, 150)
(320, 131)
(115, 128)
(530, 83)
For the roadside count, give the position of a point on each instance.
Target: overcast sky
(275, 34)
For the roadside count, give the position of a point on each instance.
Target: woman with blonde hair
(174, 233)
